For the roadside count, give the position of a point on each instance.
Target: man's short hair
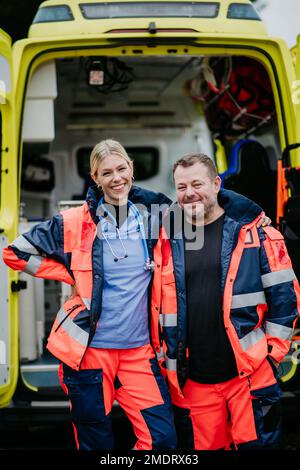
(191, 158)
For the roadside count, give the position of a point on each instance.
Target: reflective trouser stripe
(278, 331)
(277, 277)
(171, 364)
(168, 319)
(72, 329)
(247, 300)
(24, 245)
(33, 265)
(251, 338)
(87, 302)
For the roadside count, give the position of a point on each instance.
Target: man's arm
(40, 252)
(281, 290)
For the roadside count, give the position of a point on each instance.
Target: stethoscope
(148, 265)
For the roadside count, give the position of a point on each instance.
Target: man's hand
(263, 221)
(276, 364)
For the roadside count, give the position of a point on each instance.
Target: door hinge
(16, 286)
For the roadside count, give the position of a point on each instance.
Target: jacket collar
(237, 207)
(136, 195)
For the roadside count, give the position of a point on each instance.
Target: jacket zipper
(69, 310)
(249, 381)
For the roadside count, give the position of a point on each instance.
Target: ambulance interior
(159, 108)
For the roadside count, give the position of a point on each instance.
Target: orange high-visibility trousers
(133, 378)
(241, 411)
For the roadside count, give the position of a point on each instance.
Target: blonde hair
(104, 149)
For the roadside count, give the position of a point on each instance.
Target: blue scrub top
(124, 317)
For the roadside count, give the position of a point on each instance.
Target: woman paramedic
(101, 333)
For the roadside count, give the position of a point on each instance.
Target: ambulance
(165, 78)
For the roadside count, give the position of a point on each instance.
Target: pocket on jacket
(70, 309)
(82, 268)
(169, 296)
(81, 261)
(167, 277)
(85, 391)
(83, 320)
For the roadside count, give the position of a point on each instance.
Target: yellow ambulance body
(159, 76)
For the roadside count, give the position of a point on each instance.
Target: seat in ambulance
(251, 173)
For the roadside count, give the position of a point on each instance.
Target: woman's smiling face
(114, 175)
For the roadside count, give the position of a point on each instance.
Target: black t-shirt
(119, 212)
(211, 358)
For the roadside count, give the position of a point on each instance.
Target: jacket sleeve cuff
(278, 350)
(68, 279)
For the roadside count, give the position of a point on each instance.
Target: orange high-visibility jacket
(261, 295)
(66, 248)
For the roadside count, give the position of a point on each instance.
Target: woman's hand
(74, 292)
(263, 221)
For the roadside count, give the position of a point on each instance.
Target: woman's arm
(40, 252)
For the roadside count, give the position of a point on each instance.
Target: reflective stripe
(278, 331)
(246, 300)
(251, 338)
(87, 302)
(249, 238)
(33, 265)
(160, 353)
(24, 245)
(73, 330)
(171, 364)
(168, 319)
(277, 277)
(61, 314)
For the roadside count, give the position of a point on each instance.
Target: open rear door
(8, 211)
(288, 214)
(296, 86)
(291, 174)
(295, 55)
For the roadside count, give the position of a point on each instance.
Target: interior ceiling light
(108, 75)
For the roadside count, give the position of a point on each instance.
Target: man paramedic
(226, 313)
